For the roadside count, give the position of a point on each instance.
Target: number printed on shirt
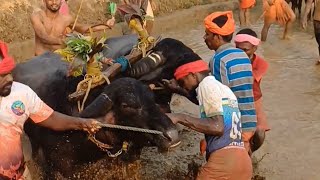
(235, 131)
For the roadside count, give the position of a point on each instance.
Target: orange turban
(193, 67)
(226, 29)
(7, 63)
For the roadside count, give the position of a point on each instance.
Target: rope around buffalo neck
(105, 147)
(129, 128)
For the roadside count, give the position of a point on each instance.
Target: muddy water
(291, 93)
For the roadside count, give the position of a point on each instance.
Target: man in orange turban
(277, 11)
(225, 67)
(245, 6)
(220, 123)
(221, 23)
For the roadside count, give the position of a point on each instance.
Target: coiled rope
(92, 79)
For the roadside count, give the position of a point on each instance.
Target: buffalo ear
(99, 107)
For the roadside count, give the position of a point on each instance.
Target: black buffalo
(131, 102)
(160, 64)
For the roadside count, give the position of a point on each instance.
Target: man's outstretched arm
(81, 28)
(60, 122)
(213, 126)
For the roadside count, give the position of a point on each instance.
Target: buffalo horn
(99, 107)
(146, 65)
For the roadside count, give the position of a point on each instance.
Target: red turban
(226, 29)
(193, 67)
(7, 64)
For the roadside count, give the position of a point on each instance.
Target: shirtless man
(51, 27)
(316, 21)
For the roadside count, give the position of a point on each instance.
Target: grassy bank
(18, 32)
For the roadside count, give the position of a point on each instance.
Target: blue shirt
(232, 67)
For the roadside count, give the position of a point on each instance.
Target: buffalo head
(129, 102)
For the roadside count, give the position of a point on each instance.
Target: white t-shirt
(15, 109)
(210, 94)
(217, 99)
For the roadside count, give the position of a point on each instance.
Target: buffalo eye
(124, 105)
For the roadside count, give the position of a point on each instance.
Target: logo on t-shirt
(18, 108)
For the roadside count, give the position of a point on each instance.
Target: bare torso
(49, 32)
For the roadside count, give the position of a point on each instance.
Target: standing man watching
(277, 12)
(148, 6)
(19, 102)
(51, 26)
(232, 67)
(316, 21)
(244, 9)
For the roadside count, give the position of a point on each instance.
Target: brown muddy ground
(291, 99)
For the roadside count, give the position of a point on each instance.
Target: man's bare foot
(287, 37)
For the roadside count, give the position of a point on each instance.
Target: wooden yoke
(115, 69)
(134, 19)
(112, 71)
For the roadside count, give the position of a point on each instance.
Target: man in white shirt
(220, 123)
(19, 102)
